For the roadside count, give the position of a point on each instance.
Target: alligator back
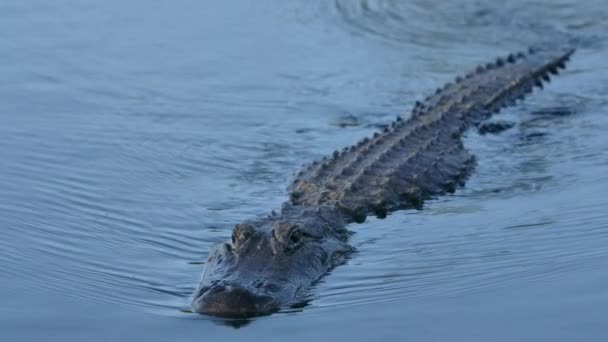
(422, 156)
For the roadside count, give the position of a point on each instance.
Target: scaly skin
(272, 261)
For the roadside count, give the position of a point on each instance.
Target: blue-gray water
(133, 135)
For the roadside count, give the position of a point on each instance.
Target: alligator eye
(234, 237)
(273, 233)
(295, 237)
(295, 241)
(241, 233)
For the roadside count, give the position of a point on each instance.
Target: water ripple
(129, 147)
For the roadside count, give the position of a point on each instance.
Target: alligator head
(271, 261)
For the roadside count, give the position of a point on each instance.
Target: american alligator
(271, 261)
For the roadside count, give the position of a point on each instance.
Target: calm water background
(133, 135)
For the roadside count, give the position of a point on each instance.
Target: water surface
(134, 135)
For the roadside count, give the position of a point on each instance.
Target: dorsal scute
(411, 160)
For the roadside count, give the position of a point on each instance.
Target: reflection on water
(134, 135)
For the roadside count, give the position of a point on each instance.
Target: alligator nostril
(217, 289)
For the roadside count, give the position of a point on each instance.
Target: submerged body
(272, 261)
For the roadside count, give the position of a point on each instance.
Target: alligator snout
(233, 301)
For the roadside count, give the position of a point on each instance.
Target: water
(135, 134)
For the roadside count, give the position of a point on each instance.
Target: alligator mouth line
(270, 260)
